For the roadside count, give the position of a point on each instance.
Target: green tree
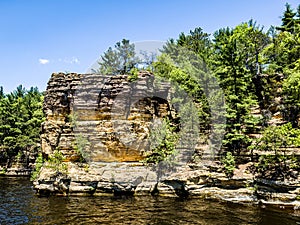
(288, 19)
(255, 41)
(282, 56)
(198, 42)
(278, 161)
(203, 122)
(162, 143)
(284, 50)
(298, 15)
(119, 60)
(20, 122)
(189, 72)
(232, 56)
(291, 91)
(228, 162)
(1, 92)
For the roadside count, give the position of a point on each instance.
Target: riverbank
(15, 171)
(134, 179)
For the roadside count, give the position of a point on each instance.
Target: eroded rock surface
(111, 113)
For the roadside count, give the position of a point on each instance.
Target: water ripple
(19, 205)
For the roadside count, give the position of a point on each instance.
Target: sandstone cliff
(111, 113)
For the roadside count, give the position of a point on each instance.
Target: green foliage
(277, 141)
(81, 142)
(55, 162)
(288, 19)
(3, 171)
(277, 166)
(163, 140)
(38, 166)
(86, 168)
(189, 130)
(229, 164)
(119, 60)
(80, 145)
(278, 138)
(72, 119)
(1, 92)
(190, 74)
(236, 65)
(291, 90)
(196, 41)
(284, 50)
(133, 75)
(19, 156)
(20, 122)
(238, 57)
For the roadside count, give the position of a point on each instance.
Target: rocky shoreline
(15, 172)
(134, 179)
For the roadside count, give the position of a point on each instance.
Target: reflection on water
(19, 205)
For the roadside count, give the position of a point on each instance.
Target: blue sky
(39, 37)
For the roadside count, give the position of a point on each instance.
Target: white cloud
(44, 61)
(72, 60)
(75, 60)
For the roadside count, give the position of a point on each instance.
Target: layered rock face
(105, 121)
(111, 115)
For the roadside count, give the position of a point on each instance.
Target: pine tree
(20, 122)
(298, 15)
(1, 92)
(284, 51)
(196, 41)
(288, 20)
(279, 163)
(186, 68)
(291, 90)
(231, 66)
(257, 40)
(119, 60)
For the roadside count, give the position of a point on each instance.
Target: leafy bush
(38, 166)
(278, 162)
(133, 75)
(163, 140)
(229, 164)
(80, 147)
(55, 162)
(277, 166)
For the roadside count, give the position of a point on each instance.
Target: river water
(20, 205)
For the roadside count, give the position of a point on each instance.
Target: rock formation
(112, 114)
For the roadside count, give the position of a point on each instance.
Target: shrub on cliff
(228, 164)
(163, 140)
(278, 160)
(119, 60)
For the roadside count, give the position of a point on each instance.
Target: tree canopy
(119, 60)
(20, 122)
